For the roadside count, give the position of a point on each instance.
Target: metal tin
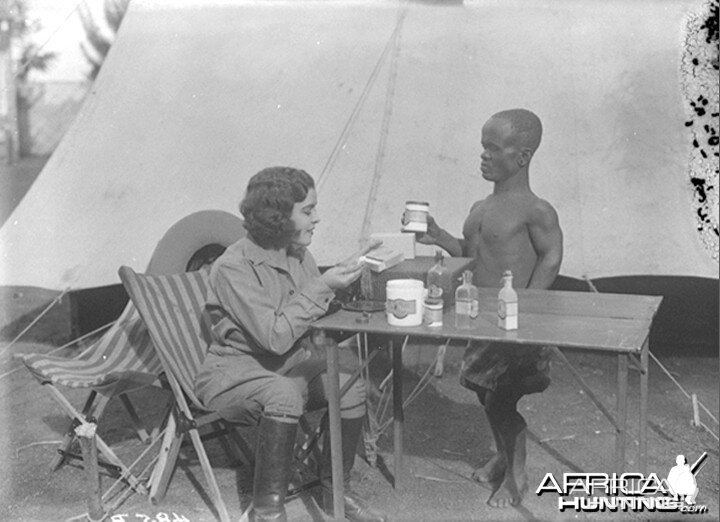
(416, 213)
(433, 313)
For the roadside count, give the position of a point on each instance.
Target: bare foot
(510, 493)
(507, 495)
(493, 470)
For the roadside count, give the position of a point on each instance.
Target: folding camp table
(609, 323)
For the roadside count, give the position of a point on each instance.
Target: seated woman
(266, 291)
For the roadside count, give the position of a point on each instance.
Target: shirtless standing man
(511, 229)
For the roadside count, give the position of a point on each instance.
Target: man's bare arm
(547, 239)
(442, 238)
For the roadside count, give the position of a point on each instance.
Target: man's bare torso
(497, 235)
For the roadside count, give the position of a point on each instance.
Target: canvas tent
(382, 102)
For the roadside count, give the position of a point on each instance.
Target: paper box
(382, 258)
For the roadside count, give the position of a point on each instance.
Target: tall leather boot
(273, 459)
(355, 508)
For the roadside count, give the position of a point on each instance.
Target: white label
(507, 309)
(507, 315)
(400, 308)
(512, 309)
(464, 308)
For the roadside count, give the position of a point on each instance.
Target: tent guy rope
(694, 402)
(52, 303)
(342, 138)
(382, 143)
(66, 345)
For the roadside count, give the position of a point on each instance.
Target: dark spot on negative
(699, 185)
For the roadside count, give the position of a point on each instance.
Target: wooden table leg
(398, 414)
(621, 412)
(644, 376)
(333, 393)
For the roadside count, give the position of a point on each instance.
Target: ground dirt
(446, 437)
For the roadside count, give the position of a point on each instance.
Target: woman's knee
(283, 399)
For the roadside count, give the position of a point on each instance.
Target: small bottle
(436, 278)
(466, 302)
(507, 304)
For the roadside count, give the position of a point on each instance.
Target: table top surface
(601, 321)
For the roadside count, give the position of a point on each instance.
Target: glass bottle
(507, 304)
(466, 302)
(436, 277)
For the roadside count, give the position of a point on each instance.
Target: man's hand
(426, 238)
(439, 237)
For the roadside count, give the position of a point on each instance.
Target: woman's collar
(277, 258)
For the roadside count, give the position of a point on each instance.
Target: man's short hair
(269, 200)
(525, 124)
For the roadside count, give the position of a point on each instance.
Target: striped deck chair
(121, 361)
(172, 307)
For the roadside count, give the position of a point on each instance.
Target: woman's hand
(344, 274)
(341, 275)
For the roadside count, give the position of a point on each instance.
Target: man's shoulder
(475, 213)
(542, 212)
(477, 206)
(541, 205)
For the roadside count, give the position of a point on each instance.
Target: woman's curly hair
(268, 204)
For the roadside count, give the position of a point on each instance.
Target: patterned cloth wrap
(492, 365)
